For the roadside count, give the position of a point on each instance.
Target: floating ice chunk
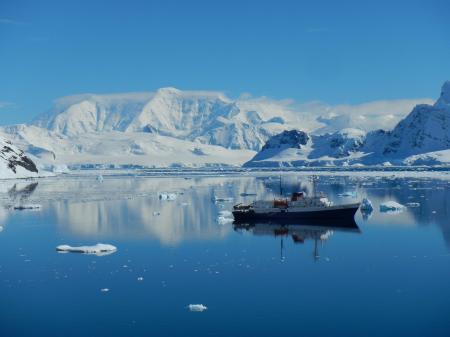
(155, 213)
(391, 207)
(366, 205)
(1, 228)
(224, 199)
(221, 220)
(225, 213)
(351, 194)
(60, 168)
(247, 194)
(167, 196)
(27, 206)
(197, 307)
(413, 204)
(100, 178)
(104, 290)
(98, 249)
(140, 278)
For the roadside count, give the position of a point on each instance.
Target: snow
(98, 249)
(197, 307)
(14, 163)
(391, 207)
(171, 127)
(421, 138)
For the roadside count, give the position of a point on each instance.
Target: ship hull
(337, 216)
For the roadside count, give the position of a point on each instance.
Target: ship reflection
(299, 233)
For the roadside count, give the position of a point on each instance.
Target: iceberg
(221, 220)
(225, 213)
(197, 307)
(391, 207)
(366, 205)
(98, 249)
(224, 199)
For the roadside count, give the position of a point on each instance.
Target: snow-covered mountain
(204, 117)
(171, 127)
(14, 163)
(421, 138)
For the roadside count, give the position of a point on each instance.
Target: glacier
(176, 128)
(421, 138)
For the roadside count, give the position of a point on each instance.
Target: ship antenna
(281, 188)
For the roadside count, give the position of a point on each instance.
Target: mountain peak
(445, 92)
(168, 90)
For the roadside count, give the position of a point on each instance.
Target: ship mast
(281, 188)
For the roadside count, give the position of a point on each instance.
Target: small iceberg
(413, 204)
(98, 249)
(247, 194)
(391, 207)
(197, 307)
(167, 196)
(349, 194)
(225, 213)
(100, 178)
(224, 199)
(366, 205)
(221, 220)
(27, 206)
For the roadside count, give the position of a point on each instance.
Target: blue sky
(332, 51)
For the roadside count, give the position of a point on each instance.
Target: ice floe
(98, 249)
(225, 213)
(413, 204)
(349, 194)
(197, 307)
(221, 220)
(391, 207)
(223, 199)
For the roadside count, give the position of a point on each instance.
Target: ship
(298, 208)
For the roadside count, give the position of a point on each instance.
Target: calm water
(388, 278)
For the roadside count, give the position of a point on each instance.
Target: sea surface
(390, 276)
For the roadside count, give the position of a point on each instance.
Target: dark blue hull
(333, 217)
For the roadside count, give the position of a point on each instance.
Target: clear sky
(332, 51)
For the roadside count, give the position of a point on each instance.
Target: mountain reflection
(121, 207)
